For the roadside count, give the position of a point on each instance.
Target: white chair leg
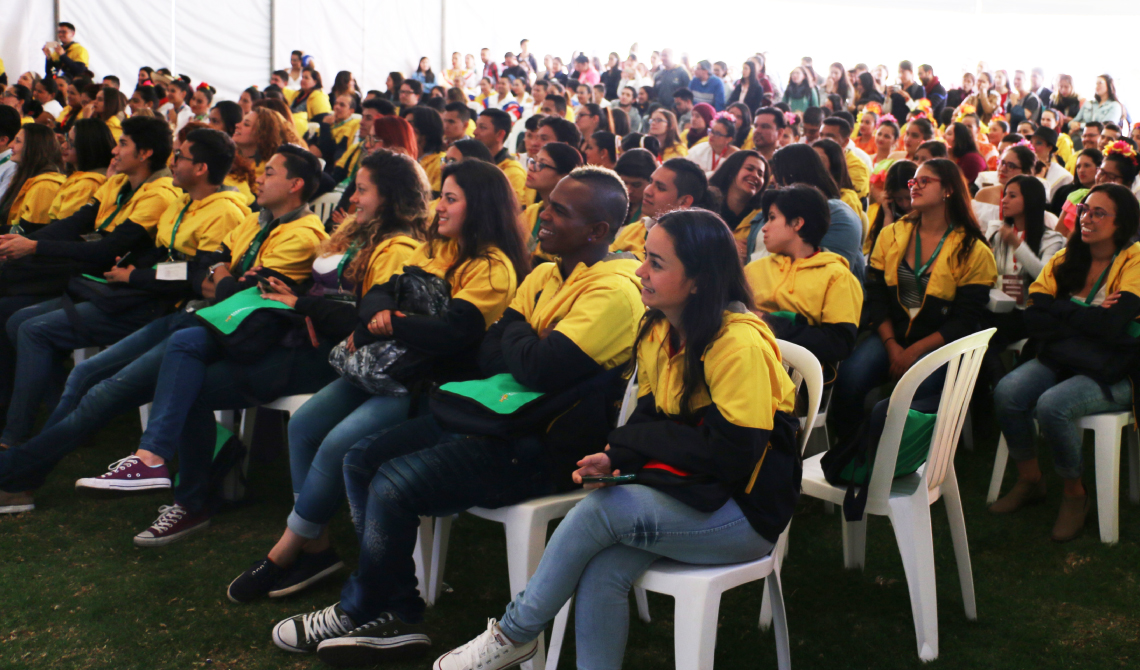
(774, 592)
(1107, 465)
(695, 615)
(780, 551)
(1133, 465)
(642, 604)
(854, 543)
(440, 541)
(911, 520)
(228, 418)
(952, 497)
(526, 540)
(422, 556)
(557, 635)
(1000, 461)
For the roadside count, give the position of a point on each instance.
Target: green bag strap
(250, 254)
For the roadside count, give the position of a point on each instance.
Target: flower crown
(791, 118)
(879, 179)
(873, 107)
(964, 111)
(1025, 143)
(924, 105)
(886, 117)
(1122, 148)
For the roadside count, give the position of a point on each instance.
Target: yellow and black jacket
(814, 302)
(433, 166)
(956, 294)
(562, 331)
(284, 248)
(32, 206)
(1073, 333)
(77, 190)
(516, 173)
(631, 238)
(739, 441)
(125, 219)
(73, 63)
(481, 290)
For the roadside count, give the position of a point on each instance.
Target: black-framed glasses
(535, 166)
(1095, 213)
(178, 155)
(922, 182)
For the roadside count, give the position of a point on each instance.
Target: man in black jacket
(935, 91)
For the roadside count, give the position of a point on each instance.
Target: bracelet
(888, 340)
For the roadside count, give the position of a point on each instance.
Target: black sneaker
(306, 571)
(387, 638)
(303, 632)
(256, 582)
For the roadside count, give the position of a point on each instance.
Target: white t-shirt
(7, 169)
(54, 108)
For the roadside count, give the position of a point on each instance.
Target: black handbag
(110, 298)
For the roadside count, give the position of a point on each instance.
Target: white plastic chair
(1106, 463)
(525, 525)
(906, 500)
(323, 206)
(233, 486)
(697, 589)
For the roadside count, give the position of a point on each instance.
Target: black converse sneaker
(386, 638)
(490, 651)
(302, 633)
(307, 570)
(256, 582)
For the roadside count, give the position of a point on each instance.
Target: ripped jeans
(600, 549)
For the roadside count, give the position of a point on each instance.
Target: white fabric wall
(24, 27)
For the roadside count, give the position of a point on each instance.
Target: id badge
(1014, 287)
(91, 237)
(171, 271)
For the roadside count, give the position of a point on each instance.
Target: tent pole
(272, 32)
(442, 35)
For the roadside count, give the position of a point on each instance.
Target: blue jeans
(600, 549)
(320, 434)
(413, 470)
(8, 307)
(44, 336)
(1032, 392)
(867, 368)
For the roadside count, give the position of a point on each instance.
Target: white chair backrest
(629, 400)
(324, 205)
(804, 368)
(963, 359)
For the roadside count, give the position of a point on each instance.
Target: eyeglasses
(1094, 213)
(1101, 173)
(715, 133)
(534, 166)
(921, 182)
(178, 155)
(655, 119)
(1009, 165)
(371, 141)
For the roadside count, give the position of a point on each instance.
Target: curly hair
(270, 130)
(404, 188)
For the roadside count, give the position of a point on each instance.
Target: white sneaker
(490, 651)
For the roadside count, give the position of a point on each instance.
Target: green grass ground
(75, 593)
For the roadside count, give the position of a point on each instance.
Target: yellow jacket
(115, 125)
(389, 258)
(678, 150)
(33, 202)
(345, 131)
(289, 249)
(143, 207)
(631, 238)
(1064, 147)
(242, 187)
(318, 103)
(204, 225)
(75, 52)
(434, 168)
(516, 174)
(744, 228)
(860, 176)
(76, 191)
(488, 282)
(607, 292)
(1124, 275)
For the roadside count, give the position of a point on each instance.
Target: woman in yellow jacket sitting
(806, 296)
(928, 283)
(663, 128)
(741, 180)
(27, 202)
(1082, 310)
(87, 152)
(312, 100)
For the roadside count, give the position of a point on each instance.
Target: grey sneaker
(302, 633)
(15, 503)
(490, 651)
(387, 638)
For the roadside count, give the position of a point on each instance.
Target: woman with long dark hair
(836, 163)
(312, 99)
(800, 94)
(601, 149)
(110, 107)
(928, 284)
(1103, 106)
(663, 128)
(748, 90)
(964, 151)
(1016, 160)
(1082, 310)
(742, 120)
(865, 91)
(26, 205)
(836, 83)
(86, 150)
(700, 355)
(741, 180)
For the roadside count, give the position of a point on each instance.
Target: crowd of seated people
(557, 231)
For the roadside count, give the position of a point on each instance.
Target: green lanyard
(919, 270)
(174, 233)
(636, 216)
(118, 201)
(348, 254)
(250, 254)
(5, 159)
(1087, 301)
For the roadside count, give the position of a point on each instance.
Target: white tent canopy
(235, 43)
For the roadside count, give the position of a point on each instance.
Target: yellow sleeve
(148, 210)
(516, 175)
(433, 168)
(643, 385)
(38, 200)
(1130, 278)
(860, 176)
(981, 267)
(742, 385)
(290, 94)
(318, 103)
(208, 236)
(843, 302)
(1046, 282)
(388, 262)
(878, 254)
(620, 308)
(293, 255)
(489, 284)
(525, 296)
(69, 200)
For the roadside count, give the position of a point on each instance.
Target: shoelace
(323, 625)
(168, 515)
(379, 621)
(121, 464)
(487, 644)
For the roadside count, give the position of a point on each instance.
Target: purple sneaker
(174, 522)
(128, 474)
